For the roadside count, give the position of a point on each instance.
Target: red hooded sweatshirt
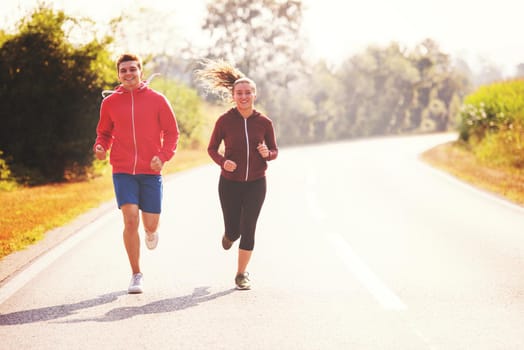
(137, 125)
(241, 137)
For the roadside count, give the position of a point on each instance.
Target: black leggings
(241, 203)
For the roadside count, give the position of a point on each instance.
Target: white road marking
(364, 274)
(379, 290)
(23, 277)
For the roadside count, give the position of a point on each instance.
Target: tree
(379, 91)
(393, 90)
(51, 93)
(147, 32)
(311, 107)
(260, 37)
(440, 85)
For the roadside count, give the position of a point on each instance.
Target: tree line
(51, 93)
(50, 88)
(381, 91)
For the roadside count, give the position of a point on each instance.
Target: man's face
(129, 74)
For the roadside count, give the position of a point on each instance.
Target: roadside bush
(504, 148)
(492, 108)
(492, 123)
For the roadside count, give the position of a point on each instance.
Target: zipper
(247, 148)
(134, 131)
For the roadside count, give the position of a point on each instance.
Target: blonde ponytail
(220, 77)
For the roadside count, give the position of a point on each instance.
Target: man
(139, 126)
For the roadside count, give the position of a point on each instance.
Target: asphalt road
(360, 245)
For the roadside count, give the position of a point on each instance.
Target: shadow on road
(199, 295)
(54, 312)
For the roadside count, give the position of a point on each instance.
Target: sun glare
(338, 29)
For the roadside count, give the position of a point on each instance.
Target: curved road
(360, 246)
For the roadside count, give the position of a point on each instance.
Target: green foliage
(313, 113)
(503, 148)
(492, 123)
(187, 107)
(492, 108)
(6, 181)
(381, 82)
(3, 37)
(380, 91)
(51, 89)
(393, 90)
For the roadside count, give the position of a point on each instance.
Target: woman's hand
(229, 165)
(263, 150)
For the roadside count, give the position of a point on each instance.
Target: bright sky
(338, 29)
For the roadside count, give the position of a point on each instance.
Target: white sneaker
(151, 240)
(136, 286)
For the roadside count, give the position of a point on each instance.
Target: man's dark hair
(128, 57)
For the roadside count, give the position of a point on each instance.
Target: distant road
(360, 245)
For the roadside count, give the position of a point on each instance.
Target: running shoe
(226, 243)
(136, 286)
(151, 240)
(242, 281)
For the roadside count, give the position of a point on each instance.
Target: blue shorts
(143, 190)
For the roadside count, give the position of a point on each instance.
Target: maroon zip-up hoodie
(241, 137)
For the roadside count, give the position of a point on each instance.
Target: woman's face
(244, 96)
(129, 74)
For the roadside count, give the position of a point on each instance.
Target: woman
(249, 141)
